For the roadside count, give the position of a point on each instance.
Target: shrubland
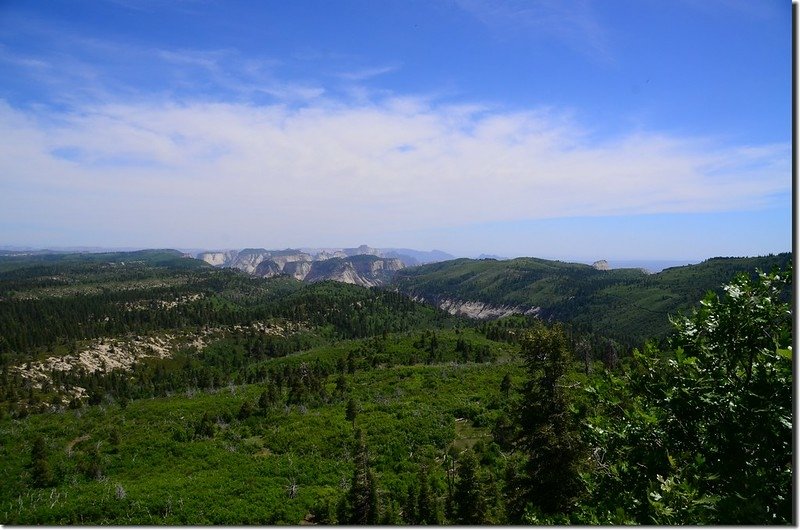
(282, 403)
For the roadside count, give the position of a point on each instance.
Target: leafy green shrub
(701, 434)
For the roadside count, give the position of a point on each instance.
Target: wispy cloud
(22, 60)
(72, 68)
(573, 23)
(331, 170)
(368, 73)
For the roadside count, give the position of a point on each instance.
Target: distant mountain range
(363, 265)
(628, 304)
(409, 257)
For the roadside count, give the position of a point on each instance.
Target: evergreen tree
(264, 401)
(411, 506)
(38, 450)
(205, 427)
(362, 497)
(246, 410)
(351, 411)
(505, 385)
(273, 393)
(450, 460)
(341, 384)
(41, 472)
(549, 434)
(426, 501)
(468, 499)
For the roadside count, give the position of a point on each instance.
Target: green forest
(150, 388)
(629, 305)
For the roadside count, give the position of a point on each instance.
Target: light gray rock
(483, 311)
(298, 269)
(218, 259)
(358, 266)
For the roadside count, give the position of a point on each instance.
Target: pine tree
(341, 384)
(264, 401)
(246, 410)
(362, 497)
(426, 501)
(450, 459)
(411, 506)
(205, 427)
(505, 385)
(92, 463)
(351, 411)
(468, 499)
(549, 435)
(273, 393)
(41, 472)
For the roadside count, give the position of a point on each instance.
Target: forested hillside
(627, 304)
(149, 388)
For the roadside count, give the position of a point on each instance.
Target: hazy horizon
(616, 130)
(653, 263)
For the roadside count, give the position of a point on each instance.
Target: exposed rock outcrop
(218, 259)
(364, 270)
(363, 265)
(481, 310)
(601, 265)
(248, 259)
(363, 250)
(328, 254)
(298, 269)
(284, 257)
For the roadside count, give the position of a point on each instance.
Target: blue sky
(567, 129)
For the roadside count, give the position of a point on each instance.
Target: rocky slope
(364, 270)
(249, 259)
(479, 310)
(359, 266)
(298, 269)
(218, 259)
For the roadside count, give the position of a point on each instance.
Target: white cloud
(203, 173)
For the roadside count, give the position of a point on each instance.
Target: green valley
(627, 304)
(152, 388)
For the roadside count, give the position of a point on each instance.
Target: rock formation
(218, 259)
(360, 267)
